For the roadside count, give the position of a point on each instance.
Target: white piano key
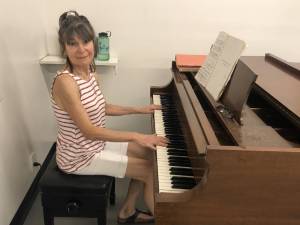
(156, 99)
(171, 190)
(163, 167)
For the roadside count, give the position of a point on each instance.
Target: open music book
(219, 64)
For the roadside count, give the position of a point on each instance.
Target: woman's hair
(72, 24)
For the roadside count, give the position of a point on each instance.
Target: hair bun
(66, 15)
(71, 13)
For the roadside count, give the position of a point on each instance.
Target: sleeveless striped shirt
(73, 150)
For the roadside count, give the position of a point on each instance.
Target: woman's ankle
(126, 212)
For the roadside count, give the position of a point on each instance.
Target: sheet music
(218, 67)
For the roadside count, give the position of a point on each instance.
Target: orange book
(183, 60)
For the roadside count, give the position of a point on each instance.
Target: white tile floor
(35, 217)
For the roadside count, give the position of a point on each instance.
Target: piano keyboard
(175, 174)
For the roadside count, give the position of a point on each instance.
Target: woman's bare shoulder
(65, 83)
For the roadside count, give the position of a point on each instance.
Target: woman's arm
(66, 95)
(116, 110)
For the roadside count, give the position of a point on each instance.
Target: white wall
(155, 30)
(145, 35)
(24, 107)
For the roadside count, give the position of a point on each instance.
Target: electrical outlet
(32, 159)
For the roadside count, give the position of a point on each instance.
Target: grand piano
(221, 169)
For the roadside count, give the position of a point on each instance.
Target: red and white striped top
(73, 150)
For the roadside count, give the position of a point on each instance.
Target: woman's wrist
(136, 110)
(135, 137)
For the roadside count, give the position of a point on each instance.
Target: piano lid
(277, 79)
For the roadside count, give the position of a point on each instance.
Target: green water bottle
(103, 46)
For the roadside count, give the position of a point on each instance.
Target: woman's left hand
(149, 109)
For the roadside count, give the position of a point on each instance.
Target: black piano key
(167, 104)
(172, 140)
(178, 149)
(177, 139)
(172, 127)
(166, 96)
(188, 180)
(172, 132)
(177, 142)
(182, 180)
(167, 100)
(181, 153)
(183, 186)
(168, 107)
(182, 164)
(170, 118)
(169, 110)
(178, 159)
(182, 145)
(173, 113)
(173, 136)
(170, 113)
(181, 171)
(178, 153)
(171, 121)
(179, 164)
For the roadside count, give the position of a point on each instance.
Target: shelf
(58, 60)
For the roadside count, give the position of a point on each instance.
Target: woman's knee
(148, 171)
(135, 150)
(139, 169)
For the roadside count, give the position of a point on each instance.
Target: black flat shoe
(134, 219)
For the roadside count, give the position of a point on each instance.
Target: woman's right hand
(151, 141)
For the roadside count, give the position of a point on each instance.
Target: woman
(84, 145)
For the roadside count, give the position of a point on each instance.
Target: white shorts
(112, 161)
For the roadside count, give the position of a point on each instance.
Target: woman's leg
(140, 169)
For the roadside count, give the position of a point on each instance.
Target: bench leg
(112, 198)
(48, 219)
(102, 220)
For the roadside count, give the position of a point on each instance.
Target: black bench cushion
(56, 181)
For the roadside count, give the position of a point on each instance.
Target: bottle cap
(104, 34)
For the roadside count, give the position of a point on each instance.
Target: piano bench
(67, 195)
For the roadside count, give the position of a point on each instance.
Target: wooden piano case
(251, 171)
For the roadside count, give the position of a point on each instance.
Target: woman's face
(80, 52)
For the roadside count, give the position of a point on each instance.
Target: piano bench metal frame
(66, 195)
